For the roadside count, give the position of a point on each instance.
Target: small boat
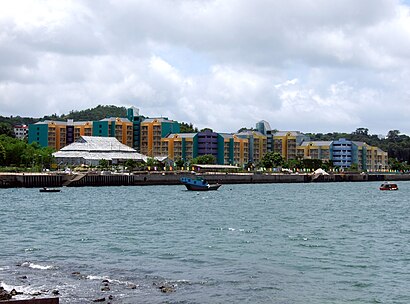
(198, 184)
(45, 189)
(388, 186)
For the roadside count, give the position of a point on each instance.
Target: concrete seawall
(14, 180)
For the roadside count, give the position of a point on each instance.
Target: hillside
(96, 113)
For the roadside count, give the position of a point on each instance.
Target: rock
(105, 281)
(55, 292)
(105, 288)
(24, 277)
(37, 293)
(76, 273)
(166, 288)
(132, 286)
(99, 300)
(110, 297)
(14, 292)
(4, 295)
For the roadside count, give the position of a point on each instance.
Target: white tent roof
(96, 148)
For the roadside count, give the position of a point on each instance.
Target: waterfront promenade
(29, 180)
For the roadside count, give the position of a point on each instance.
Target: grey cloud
(349, 59)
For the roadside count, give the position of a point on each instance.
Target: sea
(255, 243)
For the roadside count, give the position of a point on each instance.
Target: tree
(187, 128)
(312, 164)
(2, 154)
(179, 163)
(362, 131)
(6, 129)
(207, 130)
(293, 164)
(207, 159)
(271, 160)
(151, 162)
(130, 164)
(393, 135)
(103, 163)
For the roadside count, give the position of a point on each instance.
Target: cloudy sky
(307, 65)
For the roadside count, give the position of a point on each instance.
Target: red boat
(389, 186)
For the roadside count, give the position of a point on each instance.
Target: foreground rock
(4, 294)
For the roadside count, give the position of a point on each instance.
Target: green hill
(96, 113)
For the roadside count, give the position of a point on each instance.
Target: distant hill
(96, 113)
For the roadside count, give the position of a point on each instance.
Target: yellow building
(179, 146)
(315, 150)
(257, 145)
(371, 158)
(58, 134)
(232, 150)
(152, 131)
(286, 143)
(120, 128)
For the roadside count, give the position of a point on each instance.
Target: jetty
(150, 178)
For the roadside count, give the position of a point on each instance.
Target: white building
(89, 150)
(20, 131)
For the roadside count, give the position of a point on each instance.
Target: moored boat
(388, 186)
(45, 189)
(198, 184)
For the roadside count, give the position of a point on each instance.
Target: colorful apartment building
(322, 150)
(136, 119)
(232, 150)
(371, 158)
(257, 145)
(208, 143)
(180, 146)
(345, 153)
(58, 134)
(120, 128)
(152, 131)
(286, 143)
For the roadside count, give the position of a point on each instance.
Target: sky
(311, 66)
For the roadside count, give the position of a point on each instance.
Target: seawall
(32, 180)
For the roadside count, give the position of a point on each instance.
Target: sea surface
(260, 243)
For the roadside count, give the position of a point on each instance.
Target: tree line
(20, 155)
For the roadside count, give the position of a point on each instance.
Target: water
(267, 243)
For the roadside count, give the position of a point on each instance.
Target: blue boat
(198, 184)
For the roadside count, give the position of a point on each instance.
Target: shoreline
(151, 178)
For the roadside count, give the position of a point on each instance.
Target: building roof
(116, 119)
(285, 133)
(226, 135)
(181, 135)
(159, 119)
(248, 134)
(93, 147)
(70, 122)
(316, 143)
(96, 143)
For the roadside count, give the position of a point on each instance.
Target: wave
(115, 281)
(28, 291)
(37, 266)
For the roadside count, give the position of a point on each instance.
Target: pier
(33, 180)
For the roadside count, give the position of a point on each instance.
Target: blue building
(345, 153)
